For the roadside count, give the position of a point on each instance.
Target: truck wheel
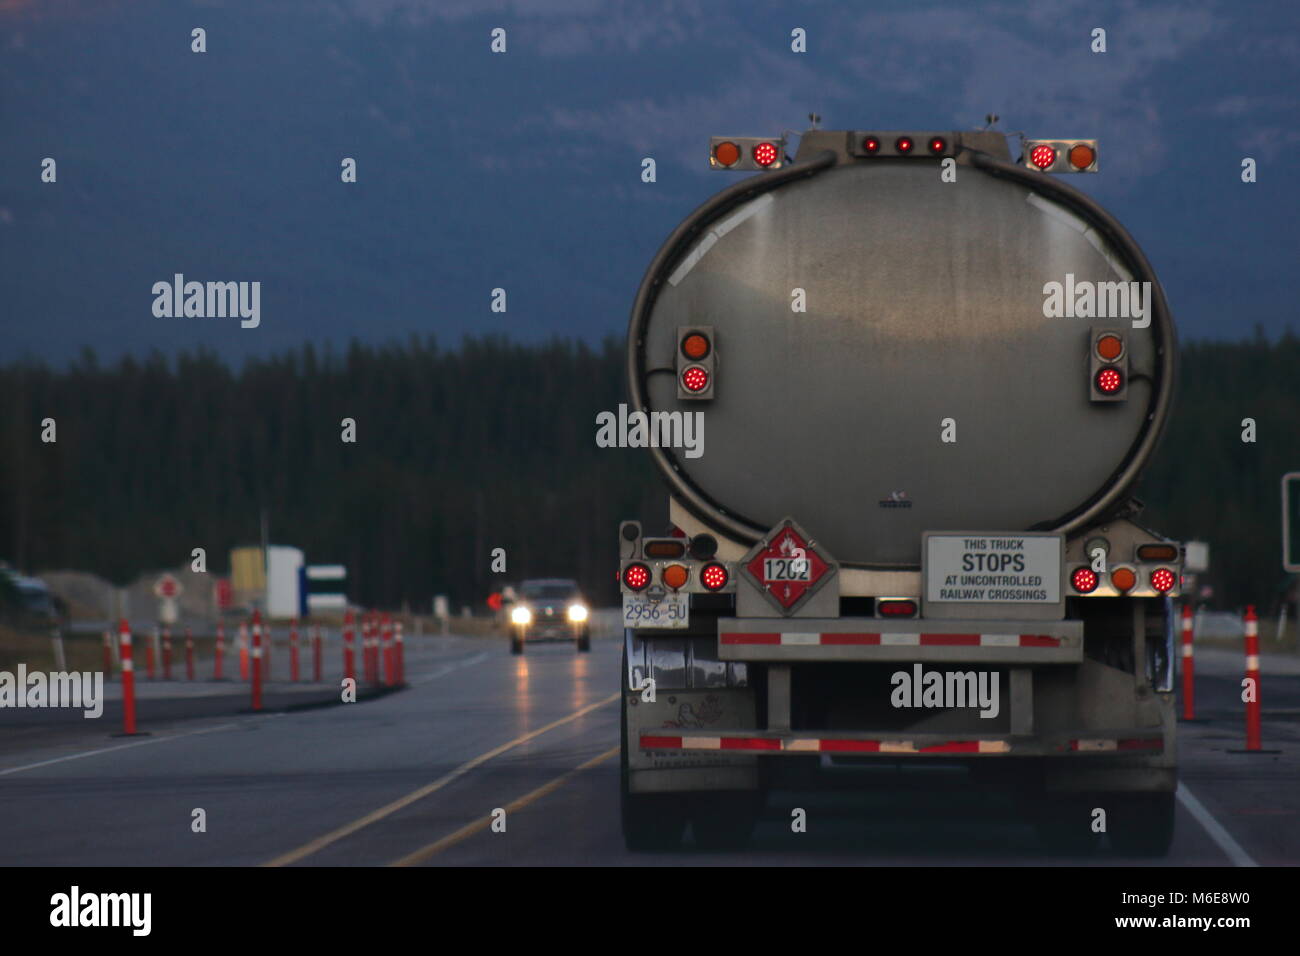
(651, 821)
(725, 821)
(584, 641)
(1064, 826)
(1141, 824)
(516, 644)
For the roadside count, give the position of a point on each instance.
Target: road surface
(414, 778)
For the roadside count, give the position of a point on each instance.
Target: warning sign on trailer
(993, 568)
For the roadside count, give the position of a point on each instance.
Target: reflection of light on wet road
(581, 671)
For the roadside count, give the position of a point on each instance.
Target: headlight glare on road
(577, 613)
(521, 615)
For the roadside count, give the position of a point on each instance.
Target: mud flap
(703, 713)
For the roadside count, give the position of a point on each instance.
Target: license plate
(674, 610)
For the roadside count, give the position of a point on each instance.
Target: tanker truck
(920, 380)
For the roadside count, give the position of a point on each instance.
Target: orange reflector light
(674, 576)
(1123, 579)
(726, 153)
(1157, 552)
(695, 346)
(1082, 156)
(1109, 347)
(665, 549)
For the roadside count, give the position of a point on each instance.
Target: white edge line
(104, 750)
(1234, 850)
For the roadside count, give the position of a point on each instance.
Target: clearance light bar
(901, 144)
(747, 152)
(1061, 155)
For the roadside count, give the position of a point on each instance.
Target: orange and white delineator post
(220, 651)
(149, 643)
(1189, 666)
(349, 653)
(128, 678)
(243, 651)
(257, 660)
(1253, 729)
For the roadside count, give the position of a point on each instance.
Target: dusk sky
(522, 170)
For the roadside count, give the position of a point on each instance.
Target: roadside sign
(1291, 522)
(1196, 557)
(167, 587)
(787, 567)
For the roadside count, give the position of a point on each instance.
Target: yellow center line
(307, 849)
(422, 854)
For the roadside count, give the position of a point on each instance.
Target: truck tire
(584, 641)
(651, 821)
(725, 821)
(1064, 826)
(1141, 824)
(516, 644)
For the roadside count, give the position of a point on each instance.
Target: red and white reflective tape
(885, 639)
(853, 745)
(821, 745)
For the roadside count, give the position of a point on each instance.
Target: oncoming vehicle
(549, 609)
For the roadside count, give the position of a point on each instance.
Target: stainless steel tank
(925, 302)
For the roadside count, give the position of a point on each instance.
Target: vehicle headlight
(577, 613)
(521, 615)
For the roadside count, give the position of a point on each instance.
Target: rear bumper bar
(1135, 741)
(858, 639)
